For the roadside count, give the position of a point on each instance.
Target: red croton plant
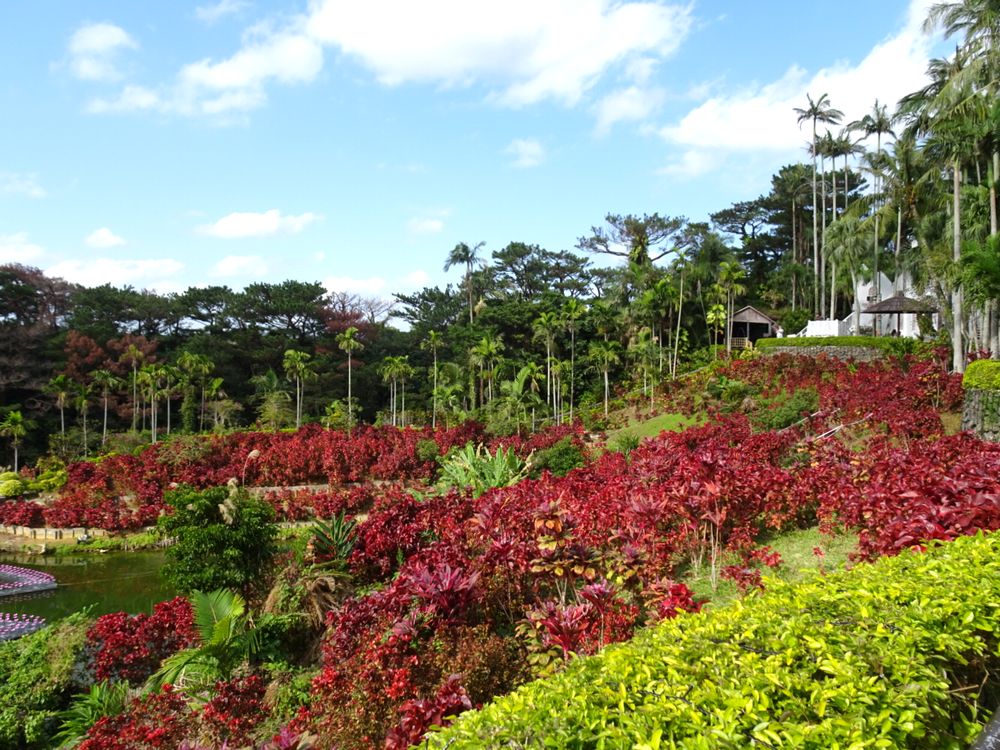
(462, 599)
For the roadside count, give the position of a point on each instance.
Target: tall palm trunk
(833, 261)
(677, 338)
(958, 351)
(815, 237)
(104, 431)
(822, 252)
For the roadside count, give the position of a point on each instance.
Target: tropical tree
(81, 400)
(348, 343)
(730, 276)
(877, 123)
(848, 240)
(62, 388)
(106, 381)
(572, 311)
(545, 327)
(134, 355)
(487, 354)
(433, 342)
(817, 111)
(228, 637)
(195, 369)
(606, 354)
(15, 427)
(298, 369)
(464, 255)
(519, 395)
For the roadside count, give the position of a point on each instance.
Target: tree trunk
(822, 251)
(606, 391)
(434, 397)
(104, 432)
(677, 338)
(856, 310)
(958, 351)
(815, 237)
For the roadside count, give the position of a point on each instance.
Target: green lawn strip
(891, 654)
(798, 562)
(653, 426)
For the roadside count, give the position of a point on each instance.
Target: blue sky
(172, 144)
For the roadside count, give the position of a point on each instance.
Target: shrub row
(983, 375)
(895, 654)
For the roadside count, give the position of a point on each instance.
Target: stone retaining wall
(43, 534)
(981, 413)
(859, 353)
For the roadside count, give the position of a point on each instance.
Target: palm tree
(572, 311)
(520, 394)
(487, 354)
(196, 368)
(298, 369)
(348, 343)
(81, 400)
(134, 355)
(433, 342)
(228, 636)
(61, 387)
(848, 243)
(730, 275)
(932, 111)
(391, 370)
(272, 399)
(877, 123)
(817, 111)
(15, 427)
(545, 327)
(606, 354)
(106, 381)
(460, 255)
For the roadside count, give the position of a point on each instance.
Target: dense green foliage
(225, 538)
(36, 680)
(983, 374)
(896, 654)
(882, 343)
(559, 459)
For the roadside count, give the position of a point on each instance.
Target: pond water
(114, 582)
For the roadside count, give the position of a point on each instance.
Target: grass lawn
(797, 562)
(645, 428)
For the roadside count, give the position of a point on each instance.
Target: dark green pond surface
(114, 582)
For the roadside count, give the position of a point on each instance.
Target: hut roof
(750, 314)
(900, 304)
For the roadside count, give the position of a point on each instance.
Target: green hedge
(887, 655)
(37, 677)
(891, 344)
(983, 374)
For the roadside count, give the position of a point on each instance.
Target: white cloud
(761, 118)
(240, 265)
(154, 273)
(212, 13)
(17, 248)
(94, 48)
(103, 238)
(377, 285)
(217, 88)
(529, 50)
(416, 279)
(522, 51)
(371, 285)
(527, 152)
(250, 224)
(634, 104)
(21, 184)
(424, 225)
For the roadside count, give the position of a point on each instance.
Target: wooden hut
(750, 324)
